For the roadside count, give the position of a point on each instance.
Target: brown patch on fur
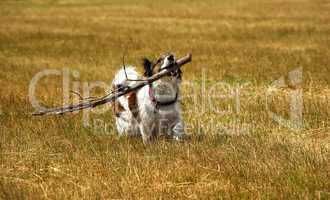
(118, 108)
(132, 104)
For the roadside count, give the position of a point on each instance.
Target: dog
(154, 110)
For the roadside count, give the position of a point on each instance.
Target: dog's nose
(170, 58)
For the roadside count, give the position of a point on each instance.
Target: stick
(111, 97)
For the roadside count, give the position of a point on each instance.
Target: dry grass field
(239, 47)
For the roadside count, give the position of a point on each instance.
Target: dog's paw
(181, 137)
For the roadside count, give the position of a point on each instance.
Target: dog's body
(153, 110)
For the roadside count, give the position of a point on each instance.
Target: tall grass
(238, 153)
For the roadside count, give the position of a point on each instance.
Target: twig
(115, 94)
(81, 97)
(124, 66)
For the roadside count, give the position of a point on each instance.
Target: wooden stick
(109, 98)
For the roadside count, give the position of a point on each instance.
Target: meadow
(256, 65)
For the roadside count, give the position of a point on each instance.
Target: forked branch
(115, 94)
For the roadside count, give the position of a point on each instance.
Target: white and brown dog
(154, 110)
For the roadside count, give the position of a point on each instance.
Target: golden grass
(244, 154)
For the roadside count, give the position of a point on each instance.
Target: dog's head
(163, 62)
(167, 87)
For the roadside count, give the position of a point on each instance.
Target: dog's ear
(148, 67)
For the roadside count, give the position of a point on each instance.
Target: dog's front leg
(178, 130)
(147, 131)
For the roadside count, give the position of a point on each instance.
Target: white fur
(154, 121)
(126, 123)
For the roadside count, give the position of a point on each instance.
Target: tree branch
(112, 96)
